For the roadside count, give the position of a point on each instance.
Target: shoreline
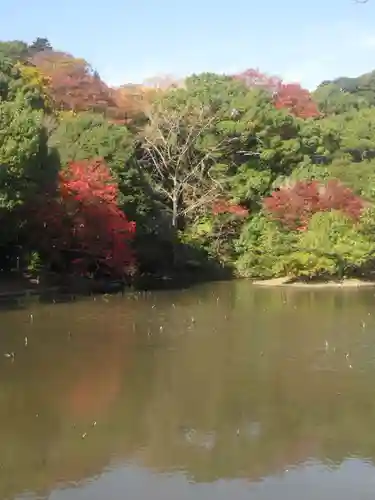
(292, 283)
(27, 288)
(18, 286)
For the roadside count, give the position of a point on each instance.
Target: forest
(239, 175)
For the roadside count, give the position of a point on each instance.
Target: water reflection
(220, 391)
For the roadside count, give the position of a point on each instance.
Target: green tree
(24, 84)
(333, 100)
(360, 86)
(331, 246)
(266, 145)
(261, 248)
(27, 168)
(23, 152)
(360, 177)
(23, 140)
(356, 128)
(39, 45)
(86, 136)
(15, 50)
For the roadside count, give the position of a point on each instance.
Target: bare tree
(180, 147)
(163, 82)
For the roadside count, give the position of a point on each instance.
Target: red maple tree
(85, 220)
(297, 100)
(294, 206)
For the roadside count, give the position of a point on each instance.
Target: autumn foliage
(85, 220)
(180, 153)
(74, 85)
(224, 207)
(294, 206)
(132, 99)
(253, 78)
(289, 96)
(297, 100)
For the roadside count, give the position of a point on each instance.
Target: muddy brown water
(221, 391)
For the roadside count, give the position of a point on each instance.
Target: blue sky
(131, 40)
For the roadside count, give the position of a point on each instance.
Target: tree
(39, 45)
(297, 100)
(23, 153)
(133, 99)
(332, 99)
(179, 155)
(23, 141)
(74, 84)
(331, 246)
(262, 246)
(355, 128)
(35, 87)
(294, 205)
(215, 231)
(15, 50)
(219, 92)
(263, 144)
(361, 87)
(84, 221)
(253, 78)
(162, 82)
(27, 167)
(24, 84)
(360, 178)
(290, 96)
(87, 135)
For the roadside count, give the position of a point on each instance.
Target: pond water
(221, 391)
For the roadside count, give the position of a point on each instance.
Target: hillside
(345, 93)
(240, 174)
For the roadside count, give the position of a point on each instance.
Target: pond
(216, 392)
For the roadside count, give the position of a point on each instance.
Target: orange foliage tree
(224, 207)
(74, 85)
(133, 99)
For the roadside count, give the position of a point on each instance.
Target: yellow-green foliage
(35, 84)
(331, 245)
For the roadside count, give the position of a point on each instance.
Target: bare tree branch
(180, 167)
